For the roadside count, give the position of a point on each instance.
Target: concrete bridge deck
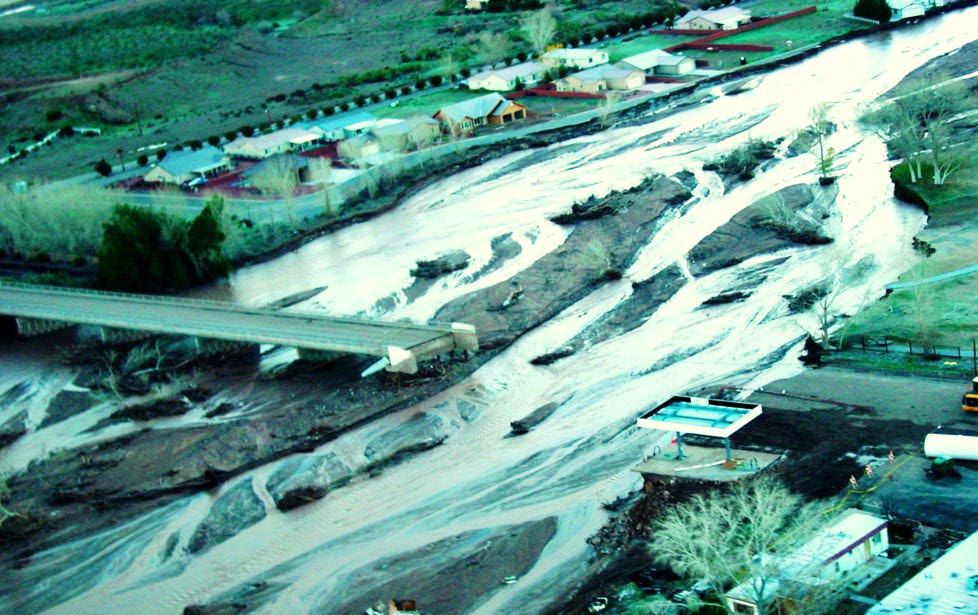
(401, 344)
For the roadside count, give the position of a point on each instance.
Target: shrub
(390, 93)
(53, 115)
(587, 38)
(66, 131)
(435, 81)
(231, 135)
(142, 160)
(160, 154)
(360, 100)
(877, 10)
(329, 110)
(420, 84)
(405, 90)
(521, 56)
(196, 144)
(214, 140)
(312, 114)
(103, 168)
(247, 131)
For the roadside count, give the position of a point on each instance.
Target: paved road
(211, 319)
(935, 278)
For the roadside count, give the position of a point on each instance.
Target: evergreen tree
(103, 168)
(877, 10)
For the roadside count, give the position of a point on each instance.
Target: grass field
(641, 44)
(425, 104)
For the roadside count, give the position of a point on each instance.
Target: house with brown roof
(602, 78)
(491, 109)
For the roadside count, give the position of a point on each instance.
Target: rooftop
(292, 134)
(835, 540)
(480, 106)
(341, 121)
(653, 58)
(190, 161)
(605, 71)
(727, 14)
(513, 72)
(574, 53)
(698, 415)
(949, 586)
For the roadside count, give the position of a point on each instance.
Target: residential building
(506, 79)
(342, 126)
(849, 541)
(602, 78)
(659, 62)
(948, 585)
(474, 5)
(358, 148)
(180, 167)
(727, 18)
(906, 9)
(292, 139)
(575, 58)
(403, 134)
(489, 109)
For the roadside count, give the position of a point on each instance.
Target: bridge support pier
(464, 336)
(209, 347)
(319, 356)
(29, 327)
(112, 335)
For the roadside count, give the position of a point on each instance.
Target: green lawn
(952, 203)
(426, 104)
(558, 106)
(641, 44)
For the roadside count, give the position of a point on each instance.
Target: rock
(591, 209)
(468, 410)
(13, 428)
(447, 263)
(157, 409)
(67, 404)
(552, 357)
(305, 479)
(525, 424)
(724, 298)
(422, 432)
(233, 512)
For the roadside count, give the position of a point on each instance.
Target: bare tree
(449, 67)
(539, 28)
(730, 538)
(818, 117)
(354, 154)
(5, 513)
(492, 46)
(606, 108)
(916, 124)
(277, 177)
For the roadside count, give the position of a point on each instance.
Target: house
(906, 9)
(489, 109)
(601, 78)
(849, 541)
(401, 135)
(292, 139)
(277, 166)
(575, 58)
(506, 79)
(948, 585)
(342, 126)
(727, 18)
(659, 62)
(358, 148)
(180, 167)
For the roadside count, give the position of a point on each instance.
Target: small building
(506, 79)
(849, 541)
(949, 585)
(602, 78)
(342, 126)
(401, 135)
(575, 58)
(474, 5)
(180, 167)
(359, 147)
(727, 18)
(491, 109)
(659, 62)
(907, 9)
(292, 139)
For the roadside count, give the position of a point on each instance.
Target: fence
(918, 348)
(751, 26)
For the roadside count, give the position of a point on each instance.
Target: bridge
(399, 346)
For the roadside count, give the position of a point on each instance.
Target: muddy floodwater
(541, 492)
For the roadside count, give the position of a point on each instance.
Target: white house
(179, 167)
(948, 585)
(505, 79)
(575, 58)
(727, 18)
(660, 62)
(850, 540)
(292, 139)
(602, 78)
(906, 9)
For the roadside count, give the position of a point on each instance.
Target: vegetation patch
(742, 162)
